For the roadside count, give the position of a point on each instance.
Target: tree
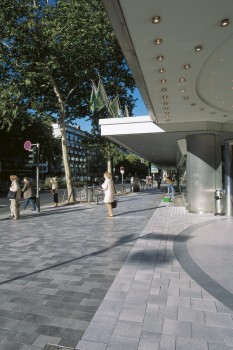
(27, 128)
(133, 165)
(50, 52)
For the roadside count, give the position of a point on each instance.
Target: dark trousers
(55, 197)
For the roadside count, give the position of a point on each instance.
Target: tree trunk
(109, 161)
(65, 154)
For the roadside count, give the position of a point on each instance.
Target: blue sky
(139, 109)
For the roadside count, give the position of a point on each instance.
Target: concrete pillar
(204, 171)
(228, 155)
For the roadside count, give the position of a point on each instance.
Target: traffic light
(34, 155)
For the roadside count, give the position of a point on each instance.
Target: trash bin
(90, 194)
(219, 202)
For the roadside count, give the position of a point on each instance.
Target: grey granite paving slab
(56, 267)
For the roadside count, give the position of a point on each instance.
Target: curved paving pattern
(205, 253)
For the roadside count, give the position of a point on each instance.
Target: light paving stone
(123, 342)
(204, 305)
(94, 333)
(136, 303)
(190, 344)
(169, 312)
(177, 328)
(149, 341)
(152, 324)
(152, 310)
(167, 342)
(228, 336)
(178, 301)
(128, 329)
(170, 291)
(218, 319)
(191, 292)
(219, 347)
(128, 314)
(207, 333)
(87, 345)
(189, 315)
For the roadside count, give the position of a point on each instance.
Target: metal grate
(57, 347)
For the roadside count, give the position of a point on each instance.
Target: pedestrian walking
(29, 194)
(108, 188)
(54, 190)
(14, 196)
(170, 188)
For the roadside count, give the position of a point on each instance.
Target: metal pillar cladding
(228, 154)
(204, 168)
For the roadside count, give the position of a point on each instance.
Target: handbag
(114, 204)
(11, 194)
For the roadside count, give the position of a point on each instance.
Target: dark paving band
(191, 267)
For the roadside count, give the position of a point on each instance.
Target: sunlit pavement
(151, 277)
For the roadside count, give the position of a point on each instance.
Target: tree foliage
(64, 43)
(50, 51)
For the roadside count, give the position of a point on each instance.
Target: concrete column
(204, 169)
(229, 177)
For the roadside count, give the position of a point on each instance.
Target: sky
(139, 110)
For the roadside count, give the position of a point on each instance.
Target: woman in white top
(54, 190)
(15, 213)
(109, 191)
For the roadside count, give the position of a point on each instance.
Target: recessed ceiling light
(166, 108)
(193, 104)
(160, 58)
(164, 97)
(182, 91)
(182, 80)
(156, 19)
(165, 103)
(167, 113)
(163, 81)
(161, 70)
(164, 89)
(187, 66)
(186, 98)
(225, 22)
(198, 48)
(158, 41)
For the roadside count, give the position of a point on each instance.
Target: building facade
(85, 164)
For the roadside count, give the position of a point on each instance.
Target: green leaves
(68, 39)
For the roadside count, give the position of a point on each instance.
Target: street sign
(27, 145)
(122, 170)
(154, 169)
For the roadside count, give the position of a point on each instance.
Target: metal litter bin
(219, 202)
(90, 194)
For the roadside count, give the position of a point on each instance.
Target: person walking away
(108, 188)
(28, 194)
(170, 188)
(15, 206)
(54, 190)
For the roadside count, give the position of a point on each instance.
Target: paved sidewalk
(152, 277)
(56, 267)
(161, 297)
